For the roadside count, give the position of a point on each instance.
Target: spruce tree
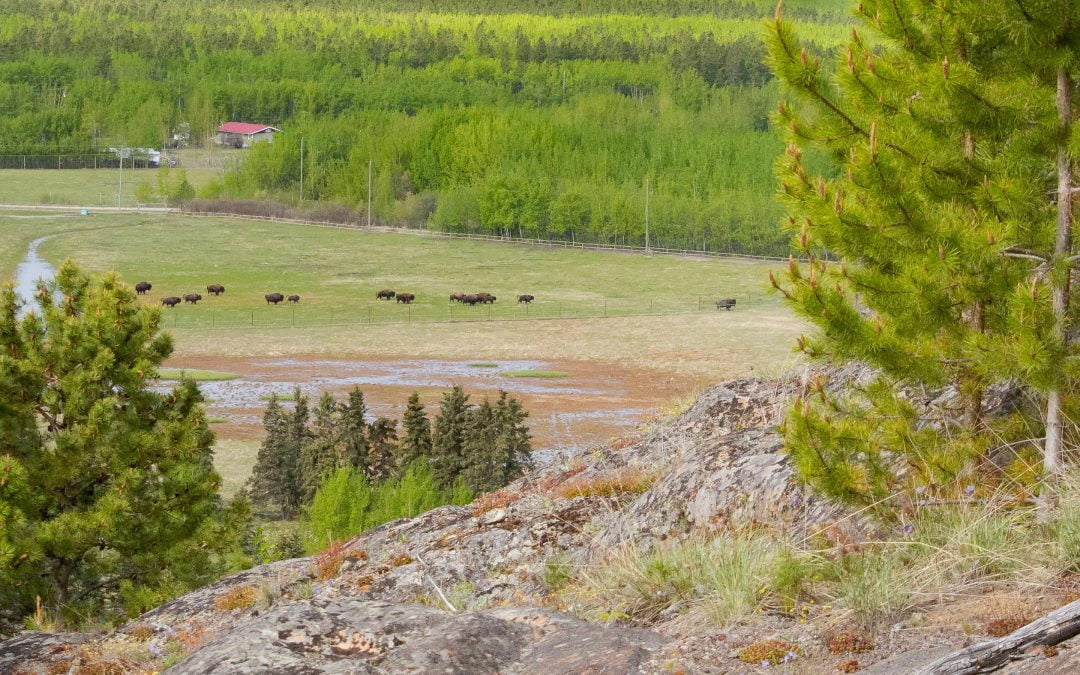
(321, 454)
(945, 143)
(104, 484)
(354, 431)
(481, 464)
(275, 480)
(448, 436)
(382, 435)
(416, 441)
(512, 439)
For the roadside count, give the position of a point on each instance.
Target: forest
(542, 118)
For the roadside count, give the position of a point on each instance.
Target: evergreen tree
(512, 439)
(105, 485)
(382, 435)
(321, 454)
(275, 480)
(946, 146)
(416, 442)
(481, 465)
(354, 431)
(448, 436)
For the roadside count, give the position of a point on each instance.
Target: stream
(29, 271)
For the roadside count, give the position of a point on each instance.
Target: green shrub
(347, 504)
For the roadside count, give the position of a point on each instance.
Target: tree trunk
(1062, 249)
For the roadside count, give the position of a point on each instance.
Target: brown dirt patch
(595, 403)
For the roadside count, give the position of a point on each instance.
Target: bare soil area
(589, 406)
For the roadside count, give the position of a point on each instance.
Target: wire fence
(536, 241)
(89, 161)
(285, 315)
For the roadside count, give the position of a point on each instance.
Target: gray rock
(35, 651)
(349, 635)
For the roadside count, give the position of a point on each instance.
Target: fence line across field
(95, 161)
(307, 316)
(556, 243)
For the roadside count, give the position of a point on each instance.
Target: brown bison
(384, 294)
(470, 299)
(725, 303)
(215, 289)
(171, 301)
(407, 298)
(526, 298)
(142, 287)
(193, 298)
(457, 297)
(294, 298)
(274, 298)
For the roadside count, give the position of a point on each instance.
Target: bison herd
(275, 298)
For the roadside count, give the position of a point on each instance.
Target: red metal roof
(244, 128)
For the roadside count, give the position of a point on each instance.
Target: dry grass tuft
(237, 598)
(773, 652)
(1002, 626)
(499, 499)
(140, 632)
(849, 666)
(626, 481)
(328, 563)
(401, 559)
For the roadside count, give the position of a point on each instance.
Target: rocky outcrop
(346, 635)
(457, 586)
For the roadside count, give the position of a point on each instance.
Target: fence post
(370, 316)
(294, 316)
(410, 313)
(252, 318)
(212, 318)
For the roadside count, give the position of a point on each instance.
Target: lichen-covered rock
(348, 635)
(36, 652)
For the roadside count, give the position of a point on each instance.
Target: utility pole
(647, 252)
(301, 169)
(369, 193)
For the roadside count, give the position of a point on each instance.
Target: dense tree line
(545, 123)
(467, 449)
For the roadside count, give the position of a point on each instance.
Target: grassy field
(82, 187)
(658, 310)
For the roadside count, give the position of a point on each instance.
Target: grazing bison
(526, 298)
(457, 297)
(274, 298)
(485, 297)
(470, 299)
(142, 287)
(384, 294)
(171, 301)
(215, 289)
(407, 298)
(725, 303)
(294, 298)
(193, 298)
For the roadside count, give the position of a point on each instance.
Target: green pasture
(82, 187)
(337, 273)
(652, 312)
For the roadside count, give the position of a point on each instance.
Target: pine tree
(416, 442)
(321, 454)
(354, 431)
(103, 482)
(448, 436)
(275, 480)
(382, 435)
(939, 201)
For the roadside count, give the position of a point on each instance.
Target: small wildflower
(969, 490)
(154, 649)
(909, 528)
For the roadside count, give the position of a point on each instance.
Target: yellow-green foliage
(626, 481)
